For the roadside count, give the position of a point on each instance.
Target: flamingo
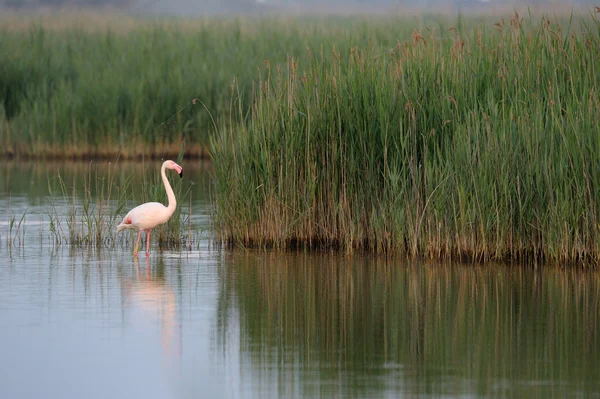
(149, 215)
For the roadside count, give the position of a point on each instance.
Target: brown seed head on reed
(416, 37)
(515, 22)
(453, 101)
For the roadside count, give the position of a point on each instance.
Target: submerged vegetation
(474, 141)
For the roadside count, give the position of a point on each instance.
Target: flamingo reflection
(152, 293)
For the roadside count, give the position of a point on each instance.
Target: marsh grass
(76, 92)
(81, 94)
(90, 220)
(477, 142)
(16, 230)
(94, 85)
(93, 216)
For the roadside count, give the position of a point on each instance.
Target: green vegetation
(73, 93)
(96, 86)
(476, 141)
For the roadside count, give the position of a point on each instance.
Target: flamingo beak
(181, 174)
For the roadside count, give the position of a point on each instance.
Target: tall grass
(72, 87)
(480, 141)
(90, 220)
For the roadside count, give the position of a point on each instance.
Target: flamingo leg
(137, 243)
(148, 243)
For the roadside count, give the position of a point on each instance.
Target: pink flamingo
(149, 215)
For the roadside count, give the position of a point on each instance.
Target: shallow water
(212, 322)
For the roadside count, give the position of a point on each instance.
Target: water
(213, 322)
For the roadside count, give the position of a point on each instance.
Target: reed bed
(473, 141)
(91, 86)
(105, 84)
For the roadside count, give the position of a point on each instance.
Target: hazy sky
(211, 7)
(199, 7)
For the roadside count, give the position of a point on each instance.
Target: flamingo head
(177, 168)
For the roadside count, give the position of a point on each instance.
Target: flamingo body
(147, 216)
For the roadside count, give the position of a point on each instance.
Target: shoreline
(159, 151)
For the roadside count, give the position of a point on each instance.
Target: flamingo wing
(146, 216)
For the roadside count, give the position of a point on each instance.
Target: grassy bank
(476, 141)
(94, 85)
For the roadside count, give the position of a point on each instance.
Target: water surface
(213, 322)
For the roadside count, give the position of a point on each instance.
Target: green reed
(16, 230)
(90, 220)
(128, 87)
(96, 85)
(479, 141)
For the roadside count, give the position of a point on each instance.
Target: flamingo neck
(170, 195)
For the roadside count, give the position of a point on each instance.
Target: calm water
(209, 322)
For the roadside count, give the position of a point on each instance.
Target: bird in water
(151, 214)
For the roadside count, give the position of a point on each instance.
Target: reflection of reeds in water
(354, 321)
(150, 292)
